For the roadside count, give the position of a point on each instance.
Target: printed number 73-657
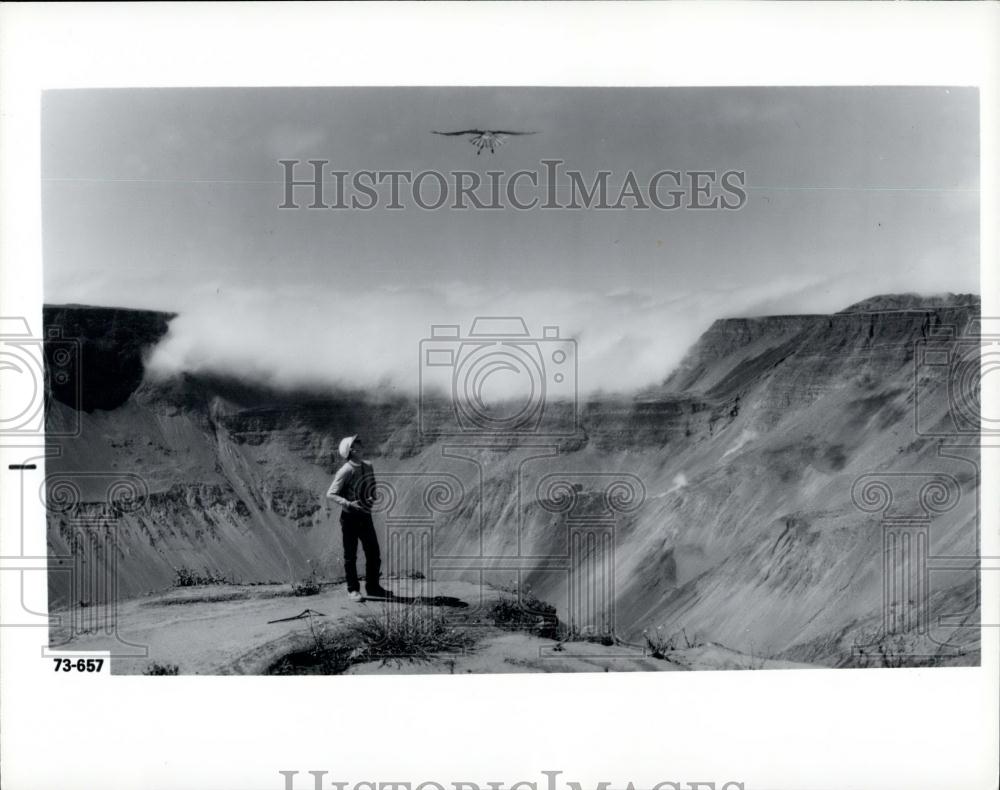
(80, 665)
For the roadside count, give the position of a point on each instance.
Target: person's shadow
(422, 600)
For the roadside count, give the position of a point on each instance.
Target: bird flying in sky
(484, 138)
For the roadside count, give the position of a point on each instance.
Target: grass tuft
(161, 669)
(405, 632)
(185, 577)
(398, 633)
(522, 610)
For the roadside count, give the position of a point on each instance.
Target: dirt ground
(230, 630)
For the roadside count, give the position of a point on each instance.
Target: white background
(811, 729)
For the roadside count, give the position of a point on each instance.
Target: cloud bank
(293, 336)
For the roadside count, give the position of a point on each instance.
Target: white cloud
(299, 336)
(294, 335)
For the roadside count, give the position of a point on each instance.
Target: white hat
(345, 445)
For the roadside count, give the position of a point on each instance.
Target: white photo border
(901, 728)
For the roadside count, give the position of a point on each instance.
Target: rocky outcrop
(95, 356)
(737, 353)
(887, 302)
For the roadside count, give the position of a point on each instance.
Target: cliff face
(106, 352)
(736, 350)
(735, 513)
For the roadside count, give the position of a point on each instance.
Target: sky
(168, 199)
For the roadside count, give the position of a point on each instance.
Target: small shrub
(403, 632)
(398, 633)
(587, 634)
(875, 648)
(660, 645)
(185, 577)
(161, 669)
(309, 586)
(326, 654)
(524, 611)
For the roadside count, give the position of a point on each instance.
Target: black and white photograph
(616, 380)
(382, 380)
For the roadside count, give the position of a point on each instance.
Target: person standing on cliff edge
(353, 488)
